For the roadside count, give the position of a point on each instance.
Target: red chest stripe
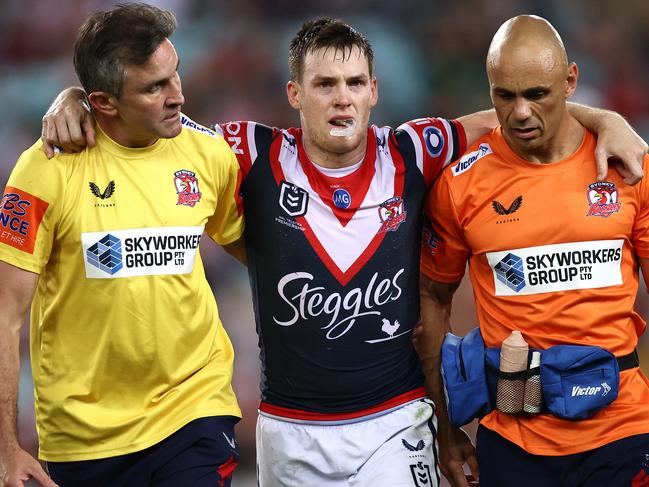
(335, 234)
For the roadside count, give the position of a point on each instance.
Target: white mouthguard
(343, 132)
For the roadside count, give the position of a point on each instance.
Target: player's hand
(68, 123)
(619, 142)
(456, 449)
(19, 467)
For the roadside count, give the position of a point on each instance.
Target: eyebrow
(358, 77)
(527, 92)
(161, 80)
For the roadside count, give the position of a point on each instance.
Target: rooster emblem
(186, 184)
(602, 199)
(390, 328)
(392, 214)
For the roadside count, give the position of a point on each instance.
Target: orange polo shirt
(552, 253)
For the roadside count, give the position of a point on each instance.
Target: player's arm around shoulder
(226, 225)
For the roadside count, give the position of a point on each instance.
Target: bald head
(530, 81)
(524, 39)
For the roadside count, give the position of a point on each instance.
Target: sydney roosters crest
(392, 214)
(187, 188)
(602, 199)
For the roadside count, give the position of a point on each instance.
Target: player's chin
(169, 132)
(341, 145)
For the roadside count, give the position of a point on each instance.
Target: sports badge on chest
(186, 184)
(293, 199)
(392, 214)
(602, 199)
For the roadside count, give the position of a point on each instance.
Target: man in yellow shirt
(131, 363)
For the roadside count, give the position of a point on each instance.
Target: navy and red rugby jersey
(334, 265)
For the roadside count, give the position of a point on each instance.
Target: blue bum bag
(576, 380)
(465, 377)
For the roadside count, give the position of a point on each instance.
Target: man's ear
(103, 102)
(571, 79)
(293, 89)
(375, 91)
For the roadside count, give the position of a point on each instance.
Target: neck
(333, 159)
(123, 135)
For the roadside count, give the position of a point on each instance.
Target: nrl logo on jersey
(186, 184)
(293, 199)
(392, 214)
(602, 199)
(421, 474)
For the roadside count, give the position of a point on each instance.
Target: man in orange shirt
(552, 253)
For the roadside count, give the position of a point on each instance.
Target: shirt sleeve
(226, 224)
(437, 142)
(444, 251)
(30, 209)
(640, 235)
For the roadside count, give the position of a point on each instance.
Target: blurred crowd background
(429, 61)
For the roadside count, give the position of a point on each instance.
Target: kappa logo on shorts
(293, 199)
(602, 199)
(421, 475)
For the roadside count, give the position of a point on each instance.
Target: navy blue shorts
(200, 454)
(621, 463)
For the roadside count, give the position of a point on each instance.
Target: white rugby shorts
(396, 449)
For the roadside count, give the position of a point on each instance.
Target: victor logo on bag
(590, 391)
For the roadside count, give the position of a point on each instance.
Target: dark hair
(325, 32)
(109, 40)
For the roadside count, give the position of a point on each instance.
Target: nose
(341, 97)
(522, 109)
(175, 96)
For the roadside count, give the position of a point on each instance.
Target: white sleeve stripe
(450, 142)
(252, 144)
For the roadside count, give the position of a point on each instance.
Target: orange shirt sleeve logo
(21, 214)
